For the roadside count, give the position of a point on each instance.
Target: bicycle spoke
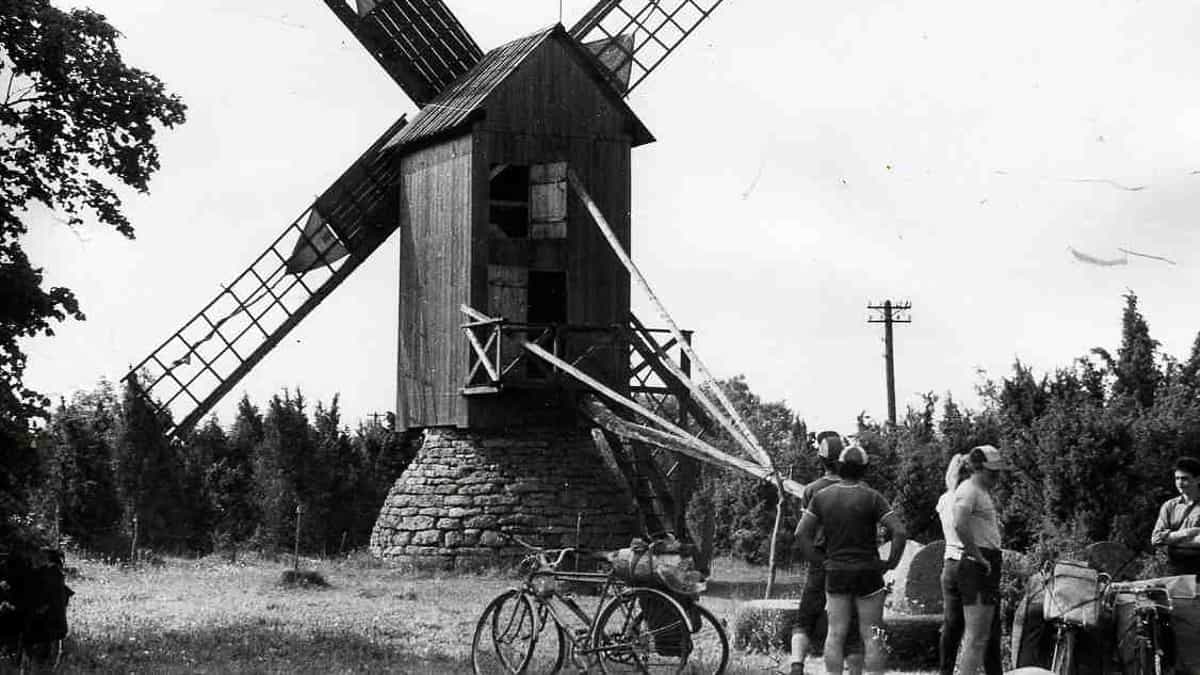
(641, 632)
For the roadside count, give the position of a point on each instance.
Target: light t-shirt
(983, 523)
(945, 511)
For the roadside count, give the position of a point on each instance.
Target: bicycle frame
(574, 627)
(1150, 605)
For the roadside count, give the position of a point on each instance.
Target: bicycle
(1150, 628)
(539, 626)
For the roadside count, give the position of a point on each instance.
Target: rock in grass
(910, 641)
(302, 579)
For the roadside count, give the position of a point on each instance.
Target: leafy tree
(383, 455)
(744, 507)
(79, 494)
(229, 477)
(74, 121)
(149, 474)
(1137, 373)
(283, 468)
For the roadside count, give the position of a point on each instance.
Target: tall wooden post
(890, 314)
(296, 544)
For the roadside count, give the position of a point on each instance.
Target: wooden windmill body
(496, 187)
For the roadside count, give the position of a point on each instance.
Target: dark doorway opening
(547, 297)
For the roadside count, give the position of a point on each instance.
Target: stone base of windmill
(465, 489)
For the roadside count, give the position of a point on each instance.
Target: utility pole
(890, 313)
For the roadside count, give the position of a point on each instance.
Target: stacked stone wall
(464, 488)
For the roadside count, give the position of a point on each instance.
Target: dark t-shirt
(849, 514)
(806, 497)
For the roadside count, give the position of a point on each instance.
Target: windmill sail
(202, 361)
(418, 42)
(633, 37)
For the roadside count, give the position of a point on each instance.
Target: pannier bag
(1073, 595)
(663, 622)
(665, 564)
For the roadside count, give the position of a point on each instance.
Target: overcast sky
(811, 157)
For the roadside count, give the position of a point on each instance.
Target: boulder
(923, 584)
(898, 577)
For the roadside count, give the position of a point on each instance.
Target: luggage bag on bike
(1073, 595)
(667, 565)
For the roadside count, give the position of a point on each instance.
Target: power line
(890, 313)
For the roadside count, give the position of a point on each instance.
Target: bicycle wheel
(1064, 653)
(506, 635)
(710, 643)
(641, 631)
(552, 646)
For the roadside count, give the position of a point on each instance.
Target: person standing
(953, 619)
(1178, 526)
(849, 513)
(812, 596)
(977, 577)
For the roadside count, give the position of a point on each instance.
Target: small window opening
(509, 200)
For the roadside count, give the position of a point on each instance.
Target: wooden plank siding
(437, 191)
(551, 108)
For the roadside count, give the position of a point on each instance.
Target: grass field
(215, 617)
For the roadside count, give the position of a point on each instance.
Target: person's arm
(899, 538)
(963, 507)
(1163, 535)
(1162, 527)
(803, 510)
(804, 535)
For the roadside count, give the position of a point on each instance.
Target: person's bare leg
(975, 638)
(854, 663)
(838, 609)
(800, 645)
(870, 621)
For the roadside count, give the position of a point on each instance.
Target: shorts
(811, 618)
(974, 586)
(859, 583)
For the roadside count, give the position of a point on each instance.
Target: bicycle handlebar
(542, 554)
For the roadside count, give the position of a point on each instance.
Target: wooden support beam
(690, 447)
(674, 438)
(731, 420)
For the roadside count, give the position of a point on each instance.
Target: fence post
(296, 546)
(133, 540)
(771, 569)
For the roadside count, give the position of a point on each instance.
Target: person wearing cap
(1178, 525)
(953, 619)
(849, 513)
(976, 582)
(812, 596)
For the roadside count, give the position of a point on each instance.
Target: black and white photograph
(599, 336)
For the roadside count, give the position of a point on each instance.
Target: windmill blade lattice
(419, 43)
(657, 28)
(202, 361)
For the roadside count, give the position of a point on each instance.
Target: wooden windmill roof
(464, 100)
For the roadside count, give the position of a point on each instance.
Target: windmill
(507, 189)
